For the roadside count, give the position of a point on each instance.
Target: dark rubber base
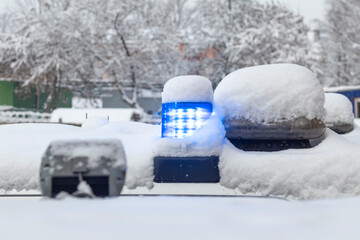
(274, 145)
(186, 169)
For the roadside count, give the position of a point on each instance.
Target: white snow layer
(78, 116)
(271, 93)
(339, 109)
(189, 88)
(95, 122)
(179, 218)
(328, 170)
(95, 150)
(207, 141)
(23, 145)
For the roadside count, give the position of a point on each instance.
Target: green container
(6, 93)
(11, 94)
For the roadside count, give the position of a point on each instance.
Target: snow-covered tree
(138, 42)
(133, 44)
(42, 49)
(247, 33)
(341, 39)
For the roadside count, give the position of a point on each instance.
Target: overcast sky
(311, 9)
(4, 4)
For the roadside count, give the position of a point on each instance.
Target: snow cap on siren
(188, 88)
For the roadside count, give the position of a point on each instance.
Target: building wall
(113, 100)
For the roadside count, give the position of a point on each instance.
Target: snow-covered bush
(271, 93)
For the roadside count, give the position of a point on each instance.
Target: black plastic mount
(274, 145)
(99, 185)
(186, 169)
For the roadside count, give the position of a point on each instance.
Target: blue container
(182, 119)
(186, 169)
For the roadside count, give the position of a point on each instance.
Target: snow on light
(186, 105)
(271, 93)
(339, 109)
(207, 140)
(189, 88)
(190, 127)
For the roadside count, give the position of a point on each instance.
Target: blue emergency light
(182, 119)
(179, 120)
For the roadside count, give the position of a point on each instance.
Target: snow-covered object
(328, 170)
(84, 187)
(271, 93)
(83, 190)
(95, 122)
(189, 88)
(90, 158)
(22, 146)
(94, 150)
(206, 141)
(78, 116)
(339, 109)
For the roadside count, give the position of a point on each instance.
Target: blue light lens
(182, 119)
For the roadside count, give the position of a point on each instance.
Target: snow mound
(95, 150)
(129, 128)
(325, 171)
(354, 135)
(339, 109)
(189, 88)
(206, 141)
(95, 122)
(23, 145)
(271, 93)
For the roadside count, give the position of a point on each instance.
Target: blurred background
(57, 55)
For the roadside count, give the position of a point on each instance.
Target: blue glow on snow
(182, 119)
